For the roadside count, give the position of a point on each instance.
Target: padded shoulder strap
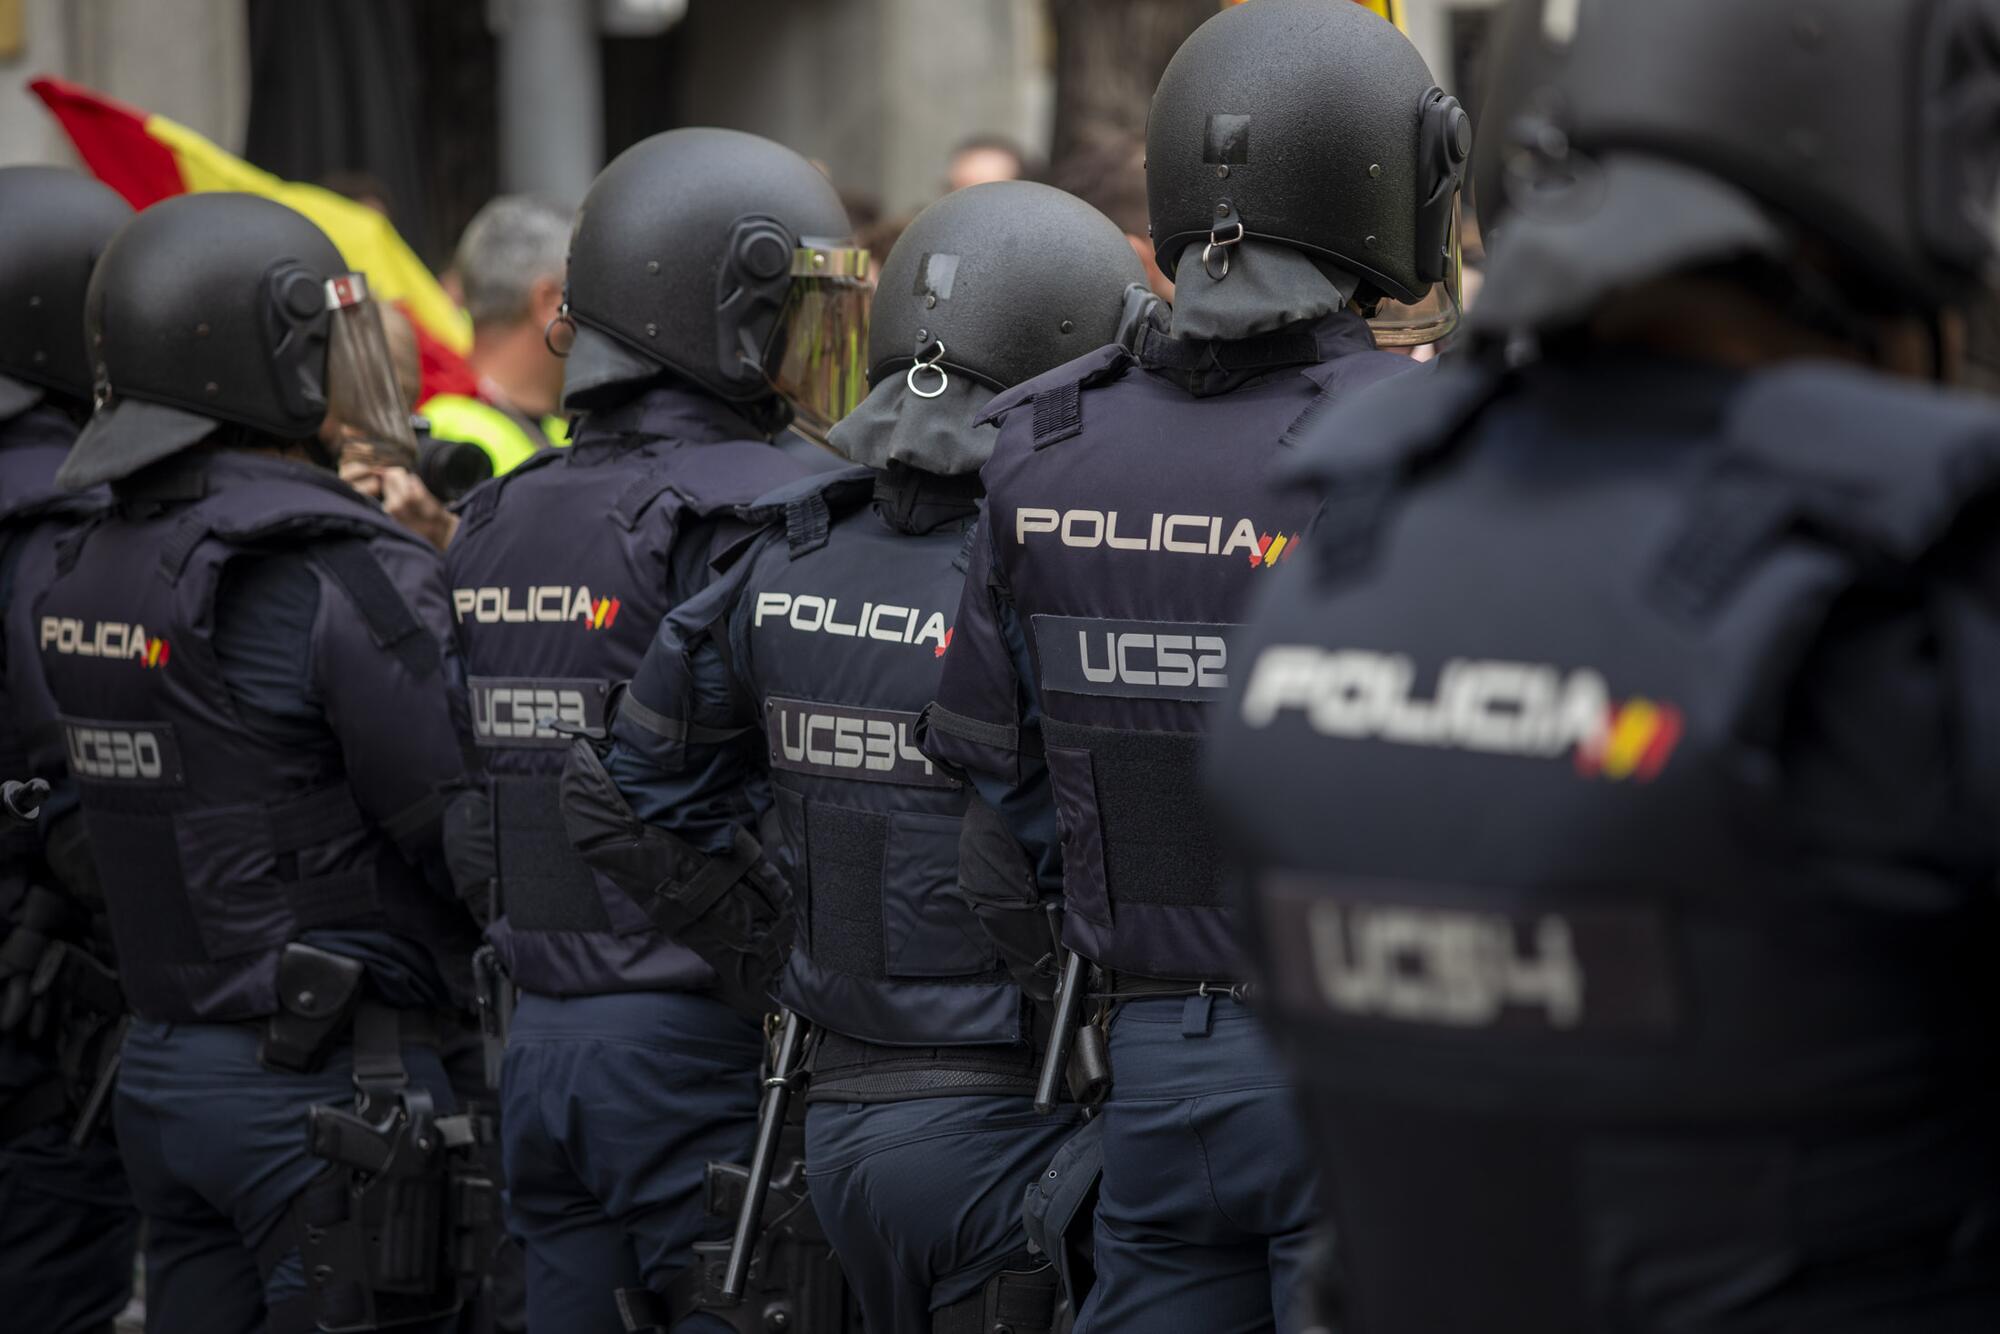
(1889, 463)
(1359, 448)
(391, 623)
(1054, 393)
(1880, 468)
(638, 497)
(200, 523)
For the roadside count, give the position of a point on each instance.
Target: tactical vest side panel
(217, 843)
(1134, 523)
(842, 645)
(1547, 913)
(33, 514)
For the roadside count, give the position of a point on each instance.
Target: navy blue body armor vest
(560, 573)
(840, 630)
(217, 843)
(1622, 762)
(1134, 511)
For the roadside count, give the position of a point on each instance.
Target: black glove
(471, 852)
(734, 911)
(997, 880)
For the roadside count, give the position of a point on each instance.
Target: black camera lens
(450, 468)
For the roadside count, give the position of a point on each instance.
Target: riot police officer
(808, 660)
(709, 278)
(1627, 892)
(1302, 167)
(254, 673)
(67, 1227)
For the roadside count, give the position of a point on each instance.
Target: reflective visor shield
(1403, 324)
(822, 370)
(364, 397)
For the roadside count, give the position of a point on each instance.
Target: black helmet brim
(127, 435)
(17, 396)
(1611, 224)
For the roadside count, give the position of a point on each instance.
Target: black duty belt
(1131, 986)
(846, 1069)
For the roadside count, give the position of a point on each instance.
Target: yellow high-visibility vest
(506, 442)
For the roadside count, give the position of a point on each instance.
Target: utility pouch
(1089, 1071)
(317, 993)
(493, 991)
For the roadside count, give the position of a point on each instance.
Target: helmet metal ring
(1219, 247)
(930, 364)
(559, 334)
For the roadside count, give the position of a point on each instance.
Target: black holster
(1024, 1298)
(58, 996)
(400, 1225)
(493, 992)
(795, 1282)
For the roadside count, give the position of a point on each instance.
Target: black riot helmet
(1628, 141)
(1319, 127)
(999, 282)
(206, 309)
(726, 259)
(53, 225)
(989, 286)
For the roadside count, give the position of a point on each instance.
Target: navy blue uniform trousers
(922, 1199)
(1206, 1213)
(215, 1147)
(611, 1109)
(67, 1233)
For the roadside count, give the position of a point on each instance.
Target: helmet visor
(823, 367)
(1404, 324)
(363, 395)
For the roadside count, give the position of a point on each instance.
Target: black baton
(770, 1125)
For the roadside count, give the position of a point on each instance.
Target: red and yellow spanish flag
(150, 158)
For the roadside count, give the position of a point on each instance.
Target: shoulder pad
(1390, 422)
(57, 505)
(480, 501)
(294, 509)
(810, 505)
(837, 486)
(720, 477)
(1054, 392)
(1889, 461)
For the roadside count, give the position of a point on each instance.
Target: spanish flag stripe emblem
(1632, 735)
(1272, 552)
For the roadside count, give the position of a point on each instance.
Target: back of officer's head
(684, 262)
(56, 224)
(1836, 158)
(207, 321)
(510, 261)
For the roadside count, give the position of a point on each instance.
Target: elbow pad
(734, 910)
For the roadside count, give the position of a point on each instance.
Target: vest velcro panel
(1146, 794)
(547, 886)
(844, 859)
